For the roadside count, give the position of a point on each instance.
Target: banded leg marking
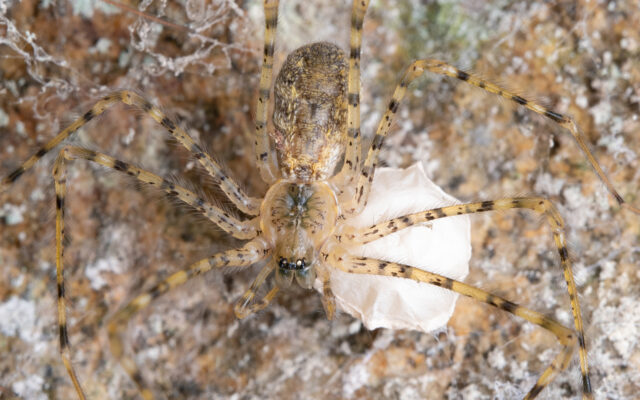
(249, 254)
(564, 121)
(95, 111)
(416, 69)
(265, 158)
(366, 174)
(351, 165)
(248, 205)
(231, 225)
(65, 347)
(566, 337)
(537, 204)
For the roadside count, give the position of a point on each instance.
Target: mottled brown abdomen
(310, 112)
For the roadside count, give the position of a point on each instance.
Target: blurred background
(58, 57)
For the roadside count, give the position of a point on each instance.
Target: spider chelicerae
(120, 166)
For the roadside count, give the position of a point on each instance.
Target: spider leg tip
(628, 206)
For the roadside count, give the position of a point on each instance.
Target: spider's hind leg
(246, 204)
(265, 158)
(351, 166)
(415, 70)
(231, 225)
(565, 121)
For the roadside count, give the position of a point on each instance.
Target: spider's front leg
(249, 254)
(360, 265)
(265, 158)
(538, 205)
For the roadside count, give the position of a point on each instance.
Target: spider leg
(363, 186)
(249, 254)
(246, 256)
(238, 229)
(351, 165)
(244, 306)
(65, 346)
(265, 158)
(248, 205)
(566, 337)
(564, 121)
(416, 69)
(537, 204)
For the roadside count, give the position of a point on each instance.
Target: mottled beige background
(580, 57)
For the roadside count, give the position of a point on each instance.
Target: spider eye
(283, 263)
(301, 263)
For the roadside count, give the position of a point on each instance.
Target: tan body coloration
(297, 219)
(301, 228)
(310, 113)
(299, 212)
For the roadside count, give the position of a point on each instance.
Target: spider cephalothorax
(296, 219)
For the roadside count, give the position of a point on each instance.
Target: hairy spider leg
(416, 69)
(60, 183)
(241, 230)
(361, 265)
(246, 204)
(238, 229)
(245, 256)
(537, 204)
(353, 152)
(265, 158)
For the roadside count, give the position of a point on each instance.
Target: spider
(296, 168)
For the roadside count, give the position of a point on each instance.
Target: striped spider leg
(415, 70)
(248, 255)
(234, 193)
(342, 259)
(540, 205)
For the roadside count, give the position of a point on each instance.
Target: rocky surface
(580, 58)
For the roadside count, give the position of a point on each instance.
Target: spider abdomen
(310, 112)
